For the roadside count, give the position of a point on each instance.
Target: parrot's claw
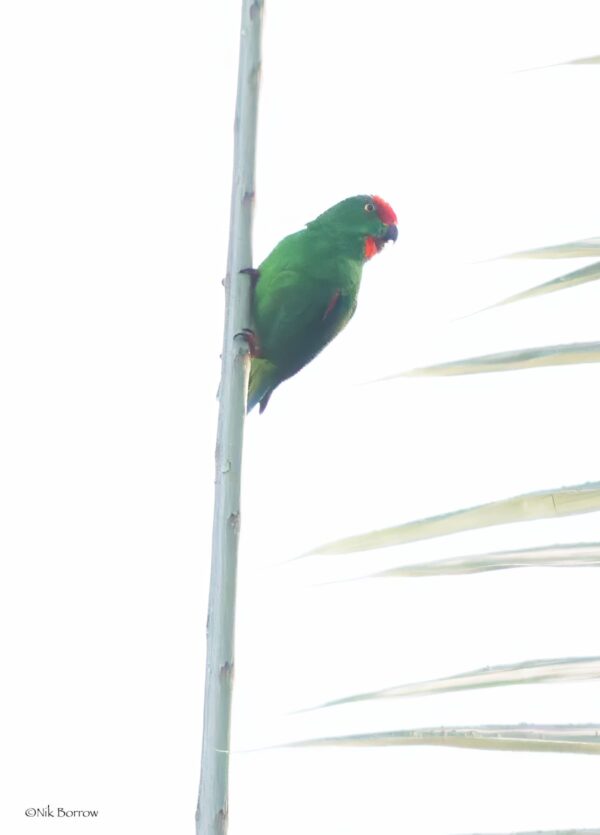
(251, 339)
(253, 273)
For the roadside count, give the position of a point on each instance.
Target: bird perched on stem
(306, 290)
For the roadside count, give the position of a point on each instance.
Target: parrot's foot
(252, 341)
(254, 275)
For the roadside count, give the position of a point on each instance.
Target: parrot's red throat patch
(373, 246)
(384, 210)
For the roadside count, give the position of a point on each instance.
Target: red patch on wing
(332, 303)
(384, 210)
(371, 248)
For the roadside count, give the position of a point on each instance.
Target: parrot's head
(366, 220)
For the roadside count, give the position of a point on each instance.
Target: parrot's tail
(263, 379)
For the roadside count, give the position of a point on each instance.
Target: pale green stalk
(212, 810)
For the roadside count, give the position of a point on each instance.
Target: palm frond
(585, 248)
(563, 282)
(592, 59)
(539, 671)
(568, 555)
(568, 739)
(544, 504)
(518, 360)
(549, 832)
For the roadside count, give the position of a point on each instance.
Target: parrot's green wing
(296, 316)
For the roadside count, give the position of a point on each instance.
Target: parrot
(305, 291)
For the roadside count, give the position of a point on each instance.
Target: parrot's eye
(369, 207)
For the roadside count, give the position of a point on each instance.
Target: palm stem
(212, 810)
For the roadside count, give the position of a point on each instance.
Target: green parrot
(306, 289)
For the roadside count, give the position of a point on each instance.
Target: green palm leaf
(571, 555)
(556, 832)
(586, 248)
(593, 59)
(569, 739)
(545, 504)
(540, 671)
(519, 360)
(563, 282)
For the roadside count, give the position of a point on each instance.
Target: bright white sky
(115, 171)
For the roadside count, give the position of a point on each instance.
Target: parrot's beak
(391, 233)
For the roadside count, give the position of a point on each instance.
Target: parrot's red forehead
(384, 210)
